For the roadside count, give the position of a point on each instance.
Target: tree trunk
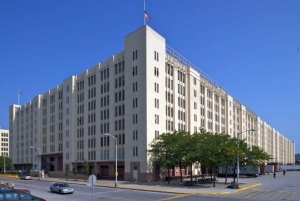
(214, 181)
(191, 173)
(180, 171)
(169, 177)
(226, 174)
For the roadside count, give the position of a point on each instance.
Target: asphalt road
(281, 188)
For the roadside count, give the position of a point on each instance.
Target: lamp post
(116, 173)
(32, 147)
(4, 163)
(238, 158)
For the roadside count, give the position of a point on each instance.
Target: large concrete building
(4, 136)
(136, 95)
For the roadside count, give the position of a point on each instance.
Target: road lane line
(286, 193)
(294, 194)
(175, 197)
(253, 194)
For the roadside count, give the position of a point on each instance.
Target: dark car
(25, 177)
(4, 187)
(61, 188)
(17, 195)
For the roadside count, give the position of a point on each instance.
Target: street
(276, 189)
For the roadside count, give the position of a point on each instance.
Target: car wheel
(60, 191)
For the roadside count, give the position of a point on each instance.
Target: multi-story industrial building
(136, 95)
(4, 134)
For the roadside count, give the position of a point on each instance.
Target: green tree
(181, 149)
(8, 163)
(85, 169)
(254, 156)
(212, 152)
(75, 170)
(162, 149)
(229, 152)
(67, 171)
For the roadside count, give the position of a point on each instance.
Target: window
(135, 102)
(135, 119)
(134, 86)
(156, 118)
(134, 55)
(156, 56)
(156, 71)
(135, 151)
(156, 134)
(156, 103)
(156, 87)
(134, 70)
(135, 135)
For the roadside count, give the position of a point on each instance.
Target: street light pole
(32, 147)
(238, 158)
(4, 164)
(116, 173)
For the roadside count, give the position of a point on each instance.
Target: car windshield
(4, 188)
(63, 185)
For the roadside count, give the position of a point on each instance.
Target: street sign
(116, 174)
(92, 180)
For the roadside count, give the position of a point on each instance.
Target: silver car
(61, 188)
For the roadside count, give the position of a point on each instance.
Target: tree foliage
(212, 150)
(85, 169)
(75, 170)
(8, 163)
(67, 171)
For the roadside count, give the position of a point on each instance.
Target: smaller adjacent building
(297, 159)
(4, 134)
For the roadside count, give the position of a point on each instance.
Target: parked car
(17, 195)
(4, 187)
(61, 188)
(25, 177)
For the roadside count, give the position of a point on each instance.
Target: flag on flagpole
(147, 17)
(20, 94)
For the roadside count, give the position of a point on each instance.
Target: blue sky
(249, 47)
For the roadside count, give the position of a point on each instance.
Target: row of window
(104, 128)
(92, 80)
(104, 101)
(119, 82)
(169, 125)
(120, 110)
(104, 114)
(120, 124)
(104, 74)
(92, 105)
(91, 117)
(104, 88)
(92, 130)
(92, 93)
(92, 143)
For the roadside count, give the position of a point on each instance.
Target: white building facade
(144, 91)
(4, 134)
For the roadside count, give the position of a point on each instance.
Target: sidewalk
(164, 187)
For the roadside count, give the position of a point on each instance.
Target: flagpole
(144, 12)
(18, 95)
